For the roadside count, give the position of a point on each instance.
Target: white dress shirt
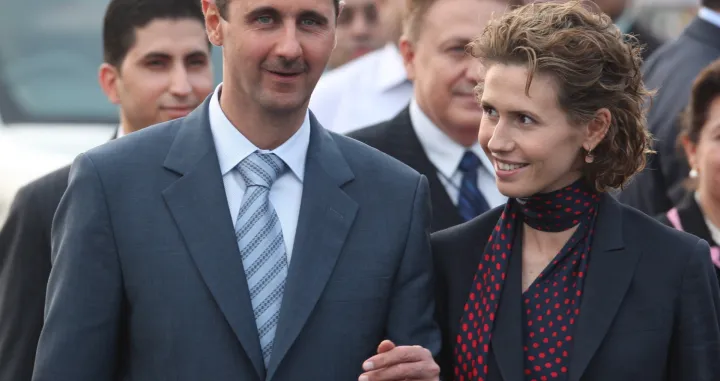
(368, 90)
(286, 192)
(709, 15)
(445, 154)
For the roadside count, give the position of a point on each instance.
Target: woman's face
(533, 146)
(704, 156)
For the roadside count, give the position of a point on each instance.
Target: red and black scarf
(551, 304)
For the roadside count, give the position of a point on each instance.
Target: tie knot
(261, 169)
(469, 163)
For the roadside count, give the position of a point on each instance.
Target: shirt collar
(442, 151)
(390, 69)
(233, 147)
(709, 15)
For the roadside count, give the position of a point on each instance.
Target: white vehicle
(51, 106)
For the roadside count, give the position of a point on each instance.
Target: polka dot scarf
(551, 303)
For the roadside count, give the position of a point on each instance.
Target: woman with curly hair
(563, 282)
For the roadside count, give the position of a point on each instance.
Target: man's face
(165, 74)
(358, 31)
(274, 51)
(443, 73)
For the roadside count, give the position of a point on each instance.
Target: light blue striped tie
(260, 239)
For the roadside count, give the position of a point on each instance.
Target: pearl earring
(693, 173)
(589, 158)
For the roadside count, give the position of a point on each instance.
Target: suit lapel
(326, 215)
(405, 146)
(198, 203)
(609, 276)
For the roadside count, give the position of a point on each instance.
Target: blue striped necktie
(261, 244)
(471, 202)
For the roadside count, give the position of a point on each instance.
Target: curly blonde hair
(594, 65)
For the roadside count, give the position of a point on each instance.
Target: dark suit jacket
(692, 220)
(646, 38)
(671, 71)
(650, 309)
(396, 137)
(24, 272)
(148, 283)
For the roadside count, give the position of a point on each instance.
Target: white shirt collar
(442, 151)
(233, 147)
(390, 69)
(709, 15)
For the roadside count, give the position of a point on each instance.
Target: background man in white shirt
(369, 89)
(437, 133)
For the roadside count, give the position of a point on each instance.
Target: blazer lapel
(405, 146)
(198, 203)
(609, 276)
(326, 216)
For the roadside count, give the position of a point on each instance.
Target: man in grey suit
(244, 241)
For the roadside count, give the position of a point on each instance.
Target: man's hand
(400, 363)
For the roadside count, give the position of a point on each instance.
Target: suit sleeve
(79, 341)
(695, 353)
(24, 270)
(411, 318)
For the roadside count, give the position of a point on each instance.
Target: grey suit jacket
(148, 284)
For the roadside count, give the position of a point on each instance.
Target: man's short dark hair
(124, 17)
(223, 5)
(712, 4)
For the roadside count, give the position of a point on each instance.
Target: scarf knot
(559, 210)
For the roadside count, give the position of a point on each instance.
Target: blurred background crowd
(51, 107)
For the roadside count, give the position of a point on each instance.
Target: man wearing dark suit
(244, 241)
(156, 62)
(671, 71)
(437, 133)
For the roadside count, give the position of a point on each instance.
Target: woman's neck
(545, 244)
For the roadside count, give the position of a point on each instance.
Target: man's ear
(407, 51)
(108, 76)
(213, 22)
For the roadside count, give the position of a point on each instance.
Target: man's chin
(176, 112)
(283, 104)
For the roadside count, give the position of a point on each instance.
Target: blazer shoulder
(366, 159)
(373, 135)
(150, 142)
